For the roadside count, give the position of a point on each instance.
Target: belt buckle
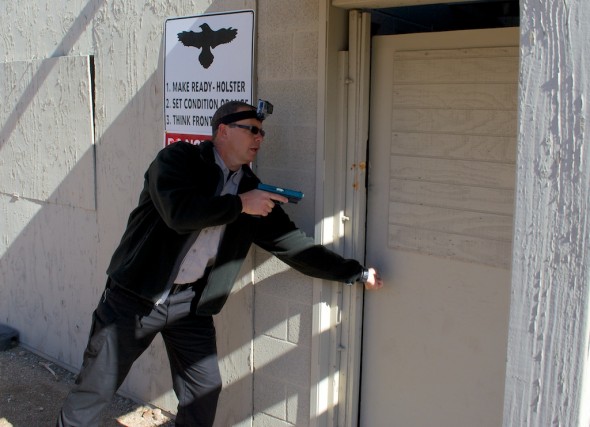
(179, 288)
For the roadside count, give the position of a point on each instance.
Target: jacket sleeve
(279, 236)
(183, 189)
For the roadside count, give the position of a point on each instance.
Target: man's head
(237, 133)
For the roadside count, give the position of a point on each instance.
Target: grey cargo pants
(123, 327)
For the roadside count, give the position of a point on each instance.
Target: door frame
(344, 51)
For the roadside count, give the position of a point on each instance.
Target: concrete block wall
(81, 118)
(282, 344)
(287, 76)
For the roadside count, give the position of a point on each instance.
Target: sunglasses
(254, 129)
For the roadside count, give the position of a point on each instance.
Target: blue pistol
(292, 195)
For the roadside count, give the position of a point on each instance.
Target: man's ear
(222, 130)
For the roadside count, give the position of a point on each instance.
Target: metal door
(442, 154)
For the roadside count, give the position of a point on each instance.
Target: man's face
(237, 145)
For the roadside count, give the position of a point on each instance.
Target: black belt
(199, 284)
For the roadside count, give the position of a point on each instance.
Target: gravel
(32, 391)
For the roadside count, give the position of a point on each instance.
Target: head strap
(240, 115)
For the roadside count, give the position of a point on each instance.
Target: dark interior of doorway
(445, 17)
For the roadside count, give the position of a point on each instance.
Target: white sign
(208, 61)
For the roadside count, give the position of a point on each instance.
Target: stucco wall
(80, 121)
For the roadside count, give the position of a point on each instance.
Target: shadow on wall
(47, 196)
(64, 202)
(30, 92)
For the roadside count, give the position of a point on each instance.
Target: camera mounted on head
(264, 109)
(262, 112)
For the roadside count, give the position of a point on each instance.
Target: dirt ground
(32, 390)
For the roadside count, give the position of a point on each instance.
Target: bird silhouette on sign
(207, 40)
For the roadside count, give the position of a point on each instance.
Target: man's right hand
(261, 203)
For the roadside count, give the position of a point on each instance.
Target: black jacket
(181, 197)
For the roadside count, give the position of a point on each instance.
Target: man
(198, 214)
